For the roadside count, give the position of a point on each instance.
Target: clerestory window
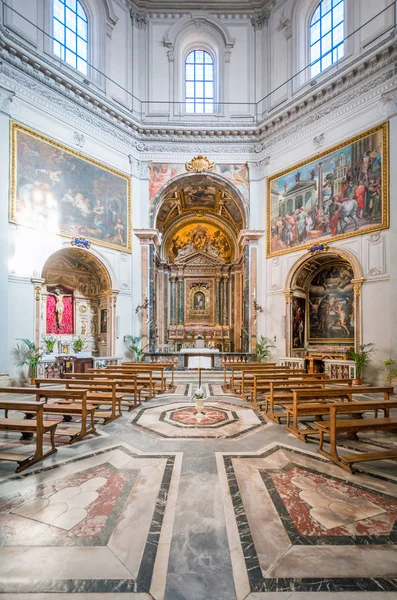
(199, 82)
(70, 33)
(326, 35)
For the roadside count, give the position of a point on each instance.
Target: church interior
(198, 357)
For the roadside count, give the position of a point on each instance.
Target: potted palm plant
(49, 342)
(134, 346)
(78, 343)
(361, 357)
(263, 348)
(391, 371)
(28, 354)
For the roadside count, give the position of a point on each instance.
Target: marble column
(149, 240)
(6, 98)
(249, 241)
(181, 301)
(217, 302)
(225, 302)
(221, 303)
(173, 299)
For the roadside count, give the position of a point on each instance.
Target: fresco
(201, 237)
(331, 301)
(61, 191)
(341, 193)
(298, 322)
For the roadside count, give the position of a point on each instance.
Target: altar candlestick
(199, 372)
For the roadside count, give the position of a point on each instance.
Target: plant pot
(356, 381)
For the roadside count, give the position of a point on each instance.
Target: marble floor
(167, 504)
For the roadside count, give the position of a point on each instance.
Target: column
(221, 302)
(249, 240)
(173, 299)
(225, 301)
(149, 239)
(6, 97)
(181, 300)
(217, 302)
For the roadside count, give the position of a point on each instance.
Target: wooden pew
(68, 403)
(131, 384)
(335, 426)
(317, 402)
(261, 384)
(163, 366)
(98, 393)
(36, 425)
(238, 381)
(145, 381)
(250, 380)
(239, 366)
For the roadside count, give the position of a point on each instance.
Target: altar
(199, 357)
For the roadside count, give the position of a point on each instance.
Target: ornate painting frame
(205, 287)
(116, 231)
(279, 201)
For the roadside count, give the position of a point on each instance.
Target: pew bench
(35, 426)
(335, 426)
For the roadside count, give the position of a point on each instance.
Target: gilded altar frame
(193, 315)
(274, 241)
(110, 178)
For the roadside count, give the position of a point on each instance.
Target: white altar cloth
(202, 354)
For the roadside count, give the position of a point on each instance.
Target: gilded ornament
(83, 308)
(200, 164)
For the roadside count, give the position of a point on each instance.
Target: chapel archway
(323, 294)
(200, 267)
(76, 298)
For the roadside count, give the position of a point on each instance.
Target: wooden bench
(36, 425)
(335, 426)
(262, 384)
(231, 366)
(141, 383)
(317, 402)
(68, 403)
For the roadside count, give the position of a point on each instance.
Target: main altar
(199, 357)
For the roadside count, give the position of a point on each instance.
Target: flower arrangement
(78, 343)
(49, 342)
(199, 394)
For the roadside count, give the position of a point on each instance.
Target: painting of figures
(340, 193)
(61, 191)
(298, 322)
(331, 301)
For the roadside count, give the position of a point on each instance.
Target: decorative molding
(318, 141)
(79, 139)
(139, 19)
(6, 99)
(257, 170)
(199, 164)
(139, 168)
(259, 20)
(389, 104)
(285, 25)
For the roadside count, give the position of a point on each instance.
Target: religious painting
(238, 175)
(59, 190)
(59, 310)
(298, 322)
(199, 301)
(331, 305)
(200, 237)
(339, 193)
(104, 321)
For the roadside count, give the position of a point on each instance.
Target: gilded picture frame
(57, 189)
(199, 301)
(338, 193)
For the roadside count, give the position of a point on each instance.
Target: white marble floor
(171, 506)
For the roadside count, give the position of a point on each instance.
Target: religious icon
(104, 320)
(59, 310)
(199, 301)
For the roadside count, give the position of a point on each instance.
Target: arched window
(70, 32)
(199, 82)
(326, 35)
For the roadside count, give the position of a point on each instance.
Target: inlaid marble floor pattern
(223, 505)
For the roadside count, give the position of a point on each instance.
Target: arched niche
(323, 302)
(74, 297)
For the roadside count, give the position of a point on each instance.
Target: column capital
(247, 236)
(148, 237)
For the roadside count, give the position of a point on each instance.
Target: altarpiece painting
(59, 190)
(339, 193)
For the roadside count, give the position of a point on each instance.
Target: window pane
(325, 6)
(57, 49)
(59, 32)
(81, 11)
(209, 90)
(209, 107)
(190, 107)
(82, 66)
(82, 48)
(71, 19)
(338, 35)
(199, 72)
(70, 40)
(70, 58)
(209, 72)
(326, 44)
(316, 15)
(71, 4)
(315, 52)
(199, 56)
(199, 107)
(59, 10)
(208, 58)
(315, 32)
(326, 24)
(336, 2)
(326, 61)
(315, 69)
(189, 89)
(199, 90)
(190, 72)
(341, 51)
(190, 58)
(338, 14)
(82, 28)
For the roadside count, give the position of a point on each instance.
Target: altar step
(191, 376)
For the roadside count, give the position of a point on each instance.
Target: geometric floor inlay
(296, 516)
(219, 420)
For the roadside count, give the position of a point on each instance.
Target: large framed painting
(339, 193)
(331, 305)
(199, 302)
(62, 191)
(298, 322)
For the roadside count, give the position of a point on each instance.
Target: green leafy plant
(263, 348)
(49, 342)
(134, 346)
(27, 354)
(391, 369)
(78, 343)
(362, 357)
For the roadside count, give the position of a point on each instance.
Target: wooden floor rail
(36, 425)
(335, 426)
